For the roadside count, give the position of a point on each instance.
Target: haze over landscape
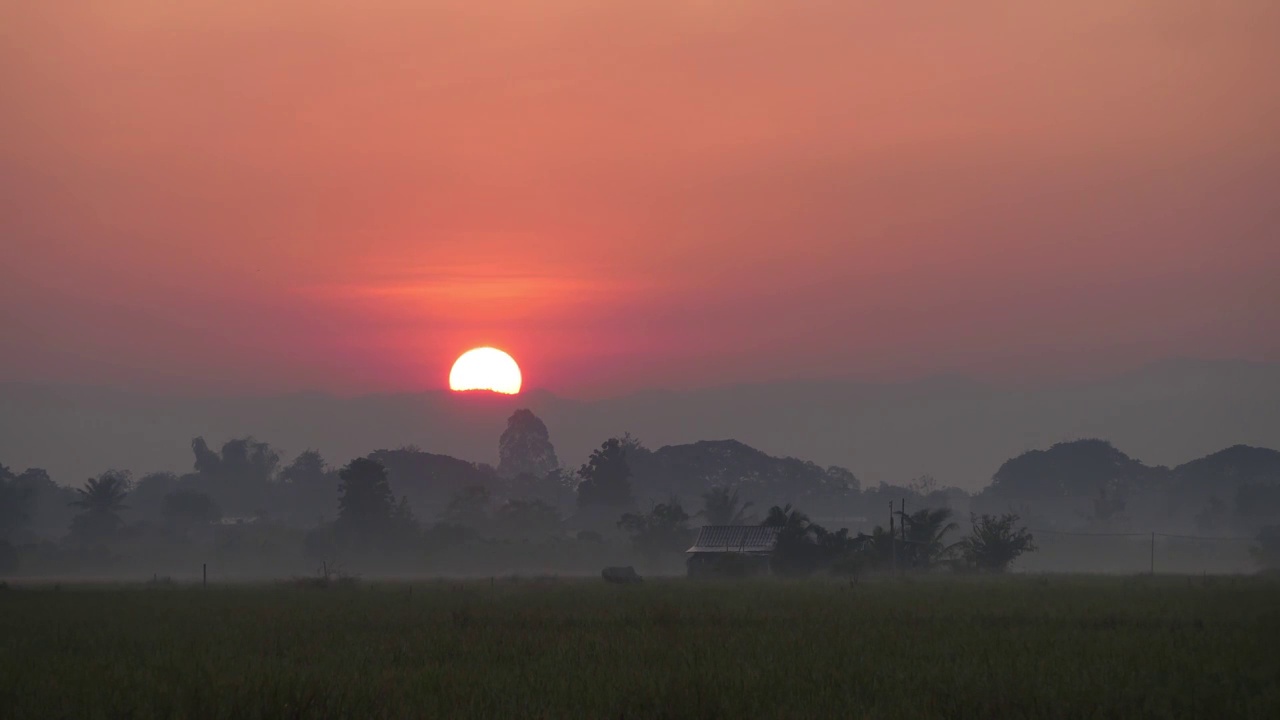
(868, 216)
(665, 359)
(957, 430)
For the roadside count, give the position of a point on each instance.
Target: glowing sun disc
(485, 368)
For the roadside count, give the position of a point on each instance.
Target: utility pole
(893, 538)
(1153, 553)
(902, 525)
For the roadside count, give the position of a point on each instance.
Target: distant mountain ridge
(1084, 468)
(957, 430)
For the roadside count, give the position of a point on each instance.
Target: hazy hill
(689, 470)
(429, 480)
(1080, 468)
(958, 430)
(1236, 465)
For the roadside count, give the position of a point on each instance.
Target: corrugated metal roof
(735, 538)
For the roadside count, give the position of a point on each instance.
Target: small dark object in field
(622, 575)
(324, 583)
(328, 576)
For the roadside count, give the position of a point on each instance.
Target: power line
(1204, 537)
(1085, 534)
(1139, 534)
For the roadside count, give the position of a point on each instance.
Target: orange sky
(266, 196)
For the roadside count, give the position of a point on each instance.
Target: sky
(258, 196)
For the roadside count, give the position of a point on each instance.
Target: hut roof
(735, 538)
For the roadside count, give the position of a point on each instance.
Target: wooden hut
(732, 550)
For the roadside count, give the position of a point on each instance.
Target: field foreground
(1059, 647)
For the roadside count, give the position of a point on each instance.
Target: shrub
(995, 543)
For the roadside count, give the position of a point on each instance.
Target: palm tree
(101, 498)
(723, 507)
(796, 551)
(925, 530)
(787, 518)
(103, 495)
(878, 547)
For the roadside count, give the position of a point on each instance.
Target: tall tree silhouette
(785, 516)
(803, 546)
(606, 477)
(15, 503)
(307, 484)
(239, 478)
(926, 530)
(100, 501)
(308, 469)
(722, 506)
(103, 494)
(525, 447)
(364, 495)
(34, 505)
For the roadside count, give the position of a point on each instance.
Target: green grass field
(1063, 647)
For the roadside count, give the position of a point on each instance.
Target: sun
(485, 368)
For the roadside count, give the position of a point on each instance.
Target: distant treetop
(1067, 469)
(525, 447)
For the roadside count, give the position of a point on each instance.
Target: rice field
(1049, 646)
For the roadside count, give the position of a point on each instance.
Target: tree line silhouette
(392, 506)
